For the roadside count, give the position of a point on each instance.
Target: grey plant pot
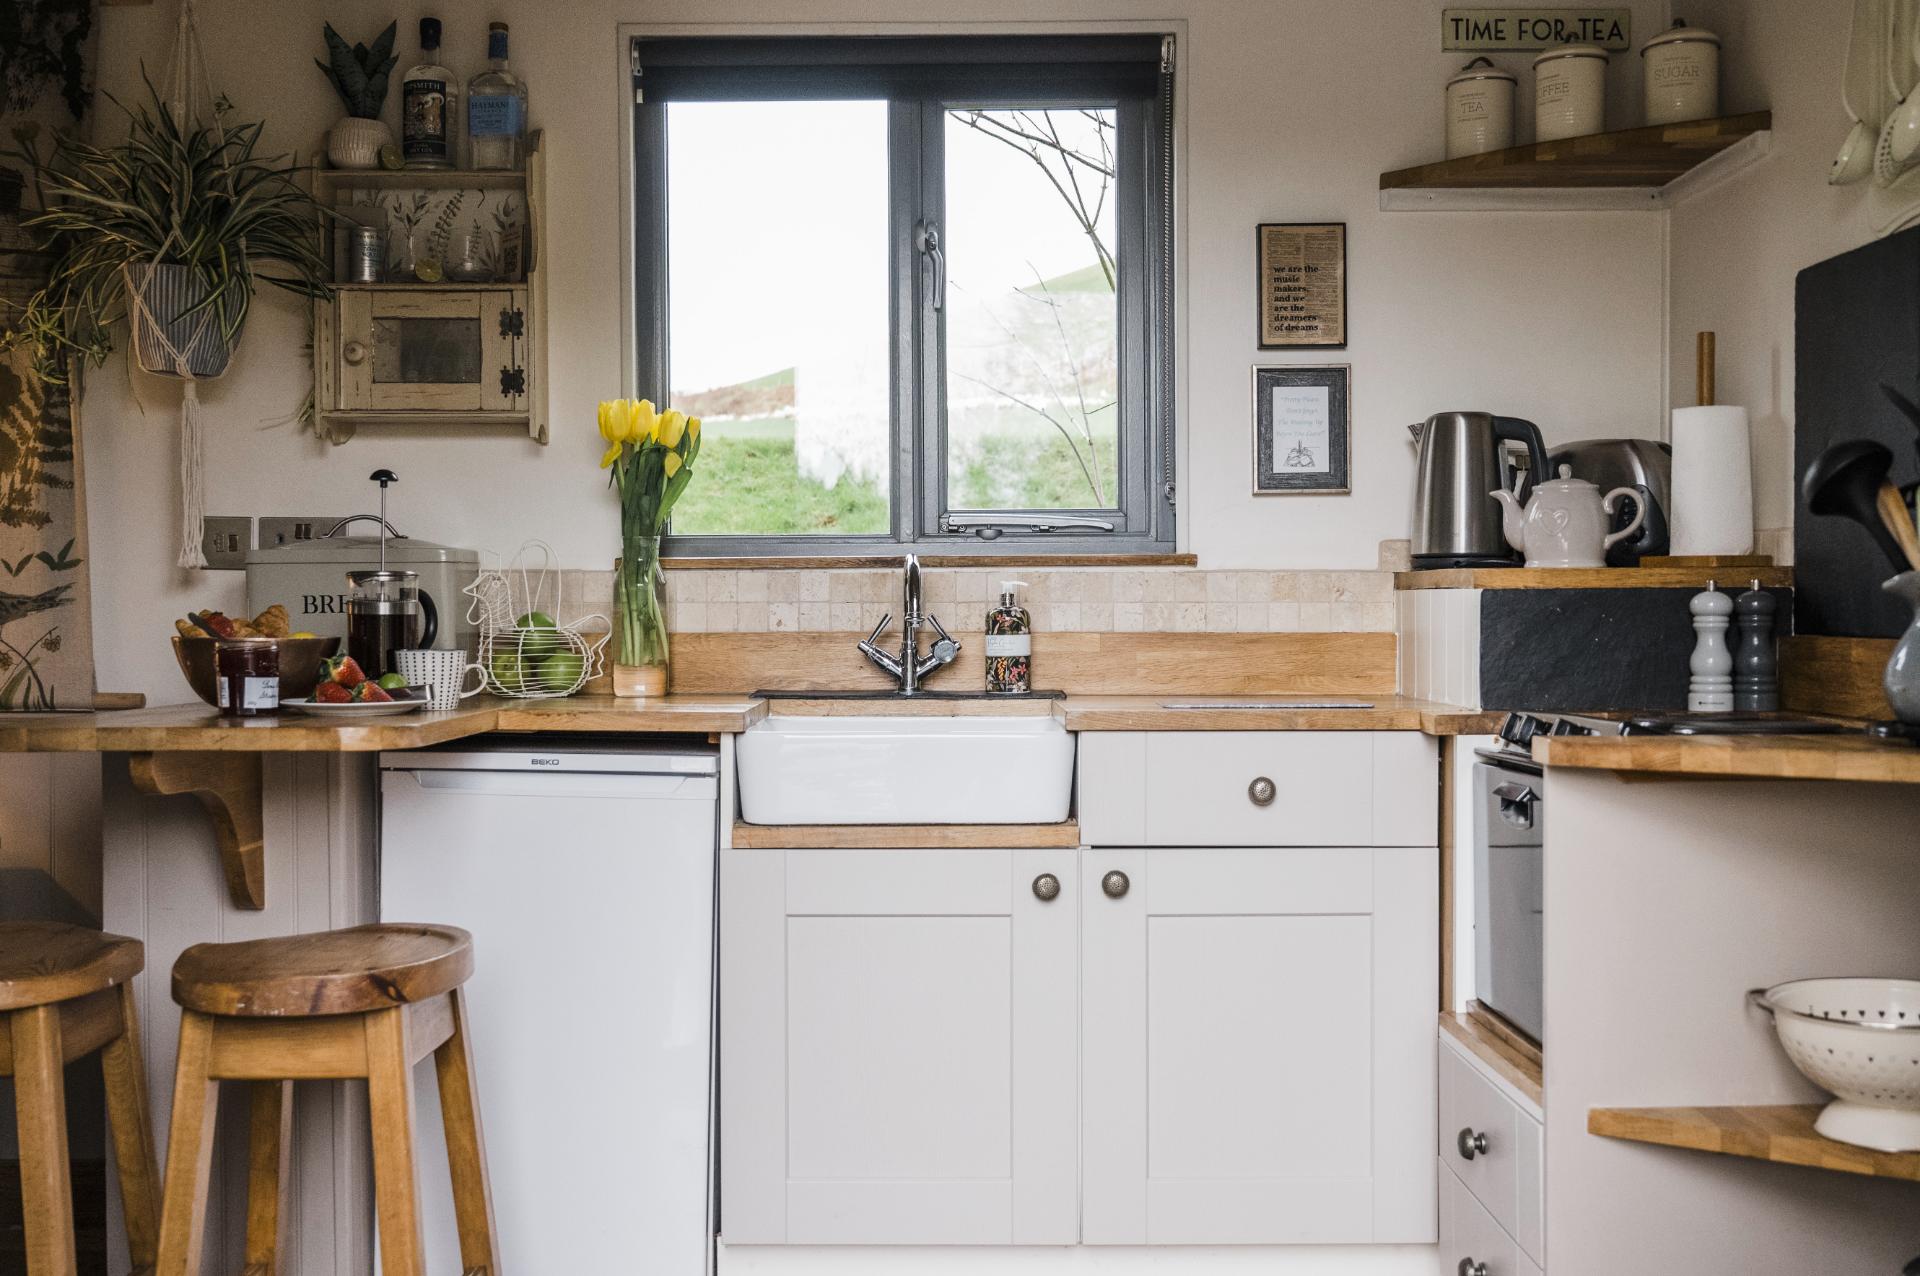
(166, 293)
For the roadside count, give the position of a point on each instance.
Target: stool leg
(196, 1099)
(269, 1143)
(46, 1185)
(396, 1172)
(130, 1119)
(466, 1149)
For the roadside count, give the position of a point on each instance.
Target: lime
(427, 271)
(535, 620)
(561, 670)
(304, 633)
(390, 157)
(391, 682)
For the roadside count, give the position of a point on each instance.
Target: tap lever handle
(880, 628)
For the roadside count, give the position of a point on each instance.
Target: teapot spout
(1512, 519)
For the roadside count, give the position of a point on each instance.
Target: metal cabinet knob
(1261, 792)
(1470, 1268)
(1046, 887)
(354, 353)
(1115, 884)
(1470, 1143)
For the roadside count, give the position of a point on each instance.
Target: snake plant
(359, 74)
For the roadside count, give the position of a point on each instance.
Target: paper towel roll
(1712, 482)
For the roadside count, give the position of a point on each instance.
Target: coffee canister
(1569, 92)
(1479, 109)
(1682, 66)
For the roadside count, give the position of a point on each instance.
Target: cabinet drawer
(1329, 788)
(1469, 1235)
(1472, 1111)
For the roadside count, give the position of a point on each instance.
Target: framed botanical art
(1302, 420)
(1303, 284)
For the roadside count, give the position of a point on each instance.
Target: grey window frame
(1143, 516)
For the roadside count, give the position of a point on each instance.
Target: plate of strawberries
(345, 691)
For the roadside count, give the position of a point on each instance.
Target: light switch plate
(288, 529)
(225, 540)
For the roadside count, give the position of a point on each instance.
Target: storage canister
(1479, 109)
(1569, 92)
(1682, 66)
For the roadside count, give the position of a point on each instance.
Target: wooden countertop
(1778, 757)
(1387, 713)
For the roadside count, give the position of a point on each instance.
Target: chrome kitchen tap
(909, 667)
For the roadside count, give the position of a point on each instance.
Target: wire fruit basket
(526, 652)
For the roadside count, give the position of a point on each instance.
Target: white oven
(1509, 820)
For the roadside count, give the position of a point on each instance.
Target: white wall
(1292, 109)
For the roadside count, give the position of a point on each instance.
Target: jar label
(1009, 644)
(255, 693)
(423, 120)
(493, 115)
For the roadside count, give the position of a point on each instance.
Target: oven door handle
(1516, 804)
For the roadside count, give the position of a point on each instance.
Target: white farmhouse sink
(905, 770)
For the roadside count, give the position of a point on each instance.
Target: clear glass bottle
(429, 106)
(496, 109)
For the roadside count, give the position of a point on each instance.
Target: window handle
(927, 240)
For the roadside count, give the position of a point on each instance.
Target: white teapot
(1565, 524)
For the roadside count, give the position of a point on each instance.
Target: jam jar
(247, 673)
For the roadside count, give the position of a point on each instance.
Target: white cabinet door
(898, 1047)
(1258, 1055)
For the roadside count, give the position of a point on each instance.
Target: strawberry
(372, 693)
(332, 693)
(346, 671)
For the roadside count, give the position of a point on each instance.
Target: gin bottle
(429, 106)
(496, 109)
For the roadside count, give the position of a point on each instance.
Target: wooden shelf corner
(228, 786)
(1783, 1134)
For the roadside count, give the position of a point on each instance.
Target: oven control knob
(1520, 728)
(1471, 1143)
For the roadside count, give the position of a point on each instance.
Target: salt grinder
(1710, 690)
(1756, 665)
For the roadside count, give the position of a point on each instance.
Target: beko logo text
(543, 762)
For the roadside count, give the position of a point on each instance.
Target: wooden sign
(1303, 284)
(1486, 30)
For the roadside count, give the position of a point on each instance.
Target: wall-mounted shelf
(1631, 169)
(1782, 1134)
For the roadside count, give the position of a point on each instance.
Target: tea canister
(1479, 109)
(1682, 66)
(1569, 92)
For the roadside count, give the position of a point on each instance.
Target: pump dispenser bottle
(1009, 644)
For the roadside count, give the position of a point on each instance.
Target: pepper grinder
(1756, 665)
(1710, 690)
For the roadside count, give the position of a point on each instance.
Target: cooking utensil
(1463, 456)
(1859, 1040)
(1845, 481)
(300, 661)
(1899, 521)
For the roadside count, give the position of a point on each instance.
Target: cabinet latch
(513, 322)
(513, 382)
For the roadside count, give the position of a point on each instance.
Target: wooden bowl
(300, 665)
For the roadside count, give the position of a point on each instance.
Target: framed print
(1301, 420)
(1303, 284)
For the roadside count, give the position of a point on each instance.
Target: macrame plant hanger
(187, 87)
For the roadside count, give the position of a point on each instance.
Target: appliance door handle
(1516, 804)
(552, 784)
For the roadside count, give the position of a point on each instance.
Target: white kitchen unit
(1492, 1154)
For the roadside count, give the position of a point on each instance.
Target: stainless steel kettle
(1463, 457)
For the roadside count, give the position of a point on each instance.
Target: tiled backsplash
(1095, 599)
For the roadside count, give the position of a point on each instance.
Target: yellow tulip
(643, 422)
(613, 453)
(673, 463)
(672, 426)
(693, 429)
(606, 420)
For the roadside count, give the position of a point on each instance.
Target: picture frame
(1301, 298)
(1302, 429)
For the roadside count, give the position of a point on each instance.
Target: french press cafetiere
(387, 611)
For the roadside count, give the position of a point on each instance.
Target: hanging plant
(42, 41)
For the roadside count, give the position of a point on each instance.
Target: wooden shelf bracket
(227, 785)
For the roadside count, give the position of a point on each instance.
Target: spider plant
(195, 194)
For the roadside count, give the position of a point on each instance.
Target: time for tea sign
(1485, 30)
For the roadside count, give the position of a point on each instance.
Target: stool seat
(46, 962)
(336, 972)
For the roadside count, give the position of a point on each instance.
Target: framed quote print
(1303, 284)
(1301, 420)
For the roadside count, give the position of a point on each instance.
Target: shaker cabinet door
(898, 1049)
(410, 350)
(1258, 1054)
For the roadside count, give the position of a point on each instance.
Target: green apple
(508, 670)
(535, 620)
(561, 670)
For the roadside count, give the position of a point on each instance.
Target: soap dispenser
(1009, 644)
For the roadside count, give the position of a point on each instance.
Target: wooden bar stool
(368, 1002)
(64, 993)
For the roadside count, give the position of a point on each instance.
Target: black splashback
(1856, 326)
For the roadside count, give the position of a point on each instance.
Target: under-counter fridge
(586, 873)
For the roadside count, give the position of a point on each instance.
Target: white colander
(1859, 1040)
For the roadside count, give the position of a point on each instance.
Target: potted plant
(651, 454)
(169, 229)
(359, 75)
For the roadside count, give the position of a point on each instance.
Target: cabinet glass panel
(426, 351)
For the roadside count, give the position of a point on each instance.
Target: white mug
(441, 673)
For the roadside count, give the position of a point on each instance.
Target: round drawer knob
(1261, 792)
(1471, 1143)
(1115, 884)
(354, 353)
(1470, 1268)
(1046, 887)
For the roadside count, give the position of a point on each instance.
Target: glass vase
(639, 620)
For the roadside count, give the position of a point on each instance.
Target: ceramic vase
(354, 143)
(1902, 679)
(639, 620)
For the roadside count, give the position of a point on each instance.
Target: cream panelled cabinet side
(898, 1047)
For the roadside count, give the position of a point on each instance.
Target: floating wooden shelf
(1647, 168)
(1782, 1134)
(1591, 577)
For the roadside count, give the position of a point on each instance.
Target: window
(918, 289)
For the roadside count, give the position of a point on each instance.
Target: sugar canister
(1682, 66)
(1569, 92)
(1479, 109)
